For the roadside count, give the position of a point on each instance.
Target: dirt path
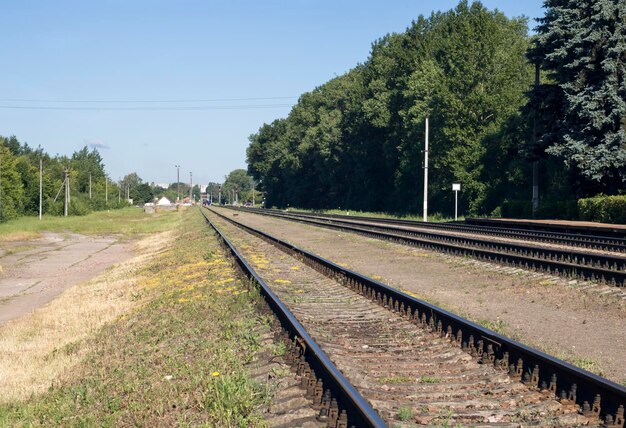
(585, 328)
(34, 272)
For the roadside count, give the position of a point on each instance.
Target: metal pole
(190, 187)
(425, 214)
(456, 194)
(106, 191)
(40, 186)
(535, 201)
(67, 183)
(89, 185)
(177, 182)
(1, 212)
(253, 192)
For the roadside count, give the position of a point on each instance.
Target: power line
(182, 108)
(143, 101)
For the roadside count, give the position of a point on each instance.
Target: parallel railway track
(446, 368)
(612, 242)
(573, 263)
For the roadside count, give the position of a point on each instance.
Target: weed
(498, 326)
(429, 379)
(395, 379)
(405, 413)
(279, 349)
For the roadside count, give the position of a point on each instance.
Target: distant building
(164, 202)
(162, 185)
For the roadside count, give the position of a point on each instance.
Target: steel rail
(603, 268)
(604, 231)
(568, 383)
(359, 411)
(584, 241)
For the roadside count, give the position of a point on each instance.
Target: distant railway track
(449, 370)
(573, 263)
(611, 243)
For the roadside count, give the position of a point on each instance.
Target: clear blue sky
(233, 54)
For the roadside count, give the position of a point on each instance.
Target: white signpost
(456, 188)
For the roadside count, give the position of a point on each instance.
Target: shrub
(607, 209)
(516, 209)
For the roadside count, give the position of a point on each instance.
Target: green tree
(11, 187)
(581, 45)
(237, 185)
(142, 193)
(356, 140)
(86, 164)
(129, 184)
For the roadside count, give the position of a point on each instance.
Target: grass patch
(395, 379)
(429, 379)
(177, 360)
(405, 413)
(499, 326)
(126, 222)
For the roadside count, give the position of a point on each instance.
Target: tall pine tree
(582, 45)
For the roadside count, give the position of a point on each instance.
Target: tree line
(90, 187)
(497, 100)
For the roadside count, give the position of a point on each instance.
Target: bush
(516, 209)
(606, 209)
(564, 210)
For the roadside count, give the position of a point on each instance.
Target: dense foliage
(356, 141)
(607, 209)
(19, 181)
(582, 46)
(238, 187)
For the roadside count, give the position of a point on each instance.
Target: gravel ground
(581, 323)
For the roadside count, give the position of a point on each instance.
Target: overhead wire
(15, 104)
(208, 100)
(181, 108)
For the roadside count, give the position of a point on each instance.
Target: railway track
(604, 230)
(414, 363)
(610, 243)
(603, 268)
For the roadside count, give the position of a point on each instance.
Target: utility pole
(425, 214)
(253, 193)
(106, 191)
(40, 186)
(66, 174)
(1, 212)
(89, 185)
(219, 195)
(119, 192)
(177, 182)
(535, 201)
(190, 187)
(236, 196)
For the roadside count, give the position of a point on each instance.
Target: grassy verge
(125, 222)
(179, 359)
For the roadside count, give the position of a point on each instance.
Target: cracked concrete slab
(36, 271)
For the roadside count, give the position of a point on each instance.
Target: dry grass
(19, 235)
(39, 347)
